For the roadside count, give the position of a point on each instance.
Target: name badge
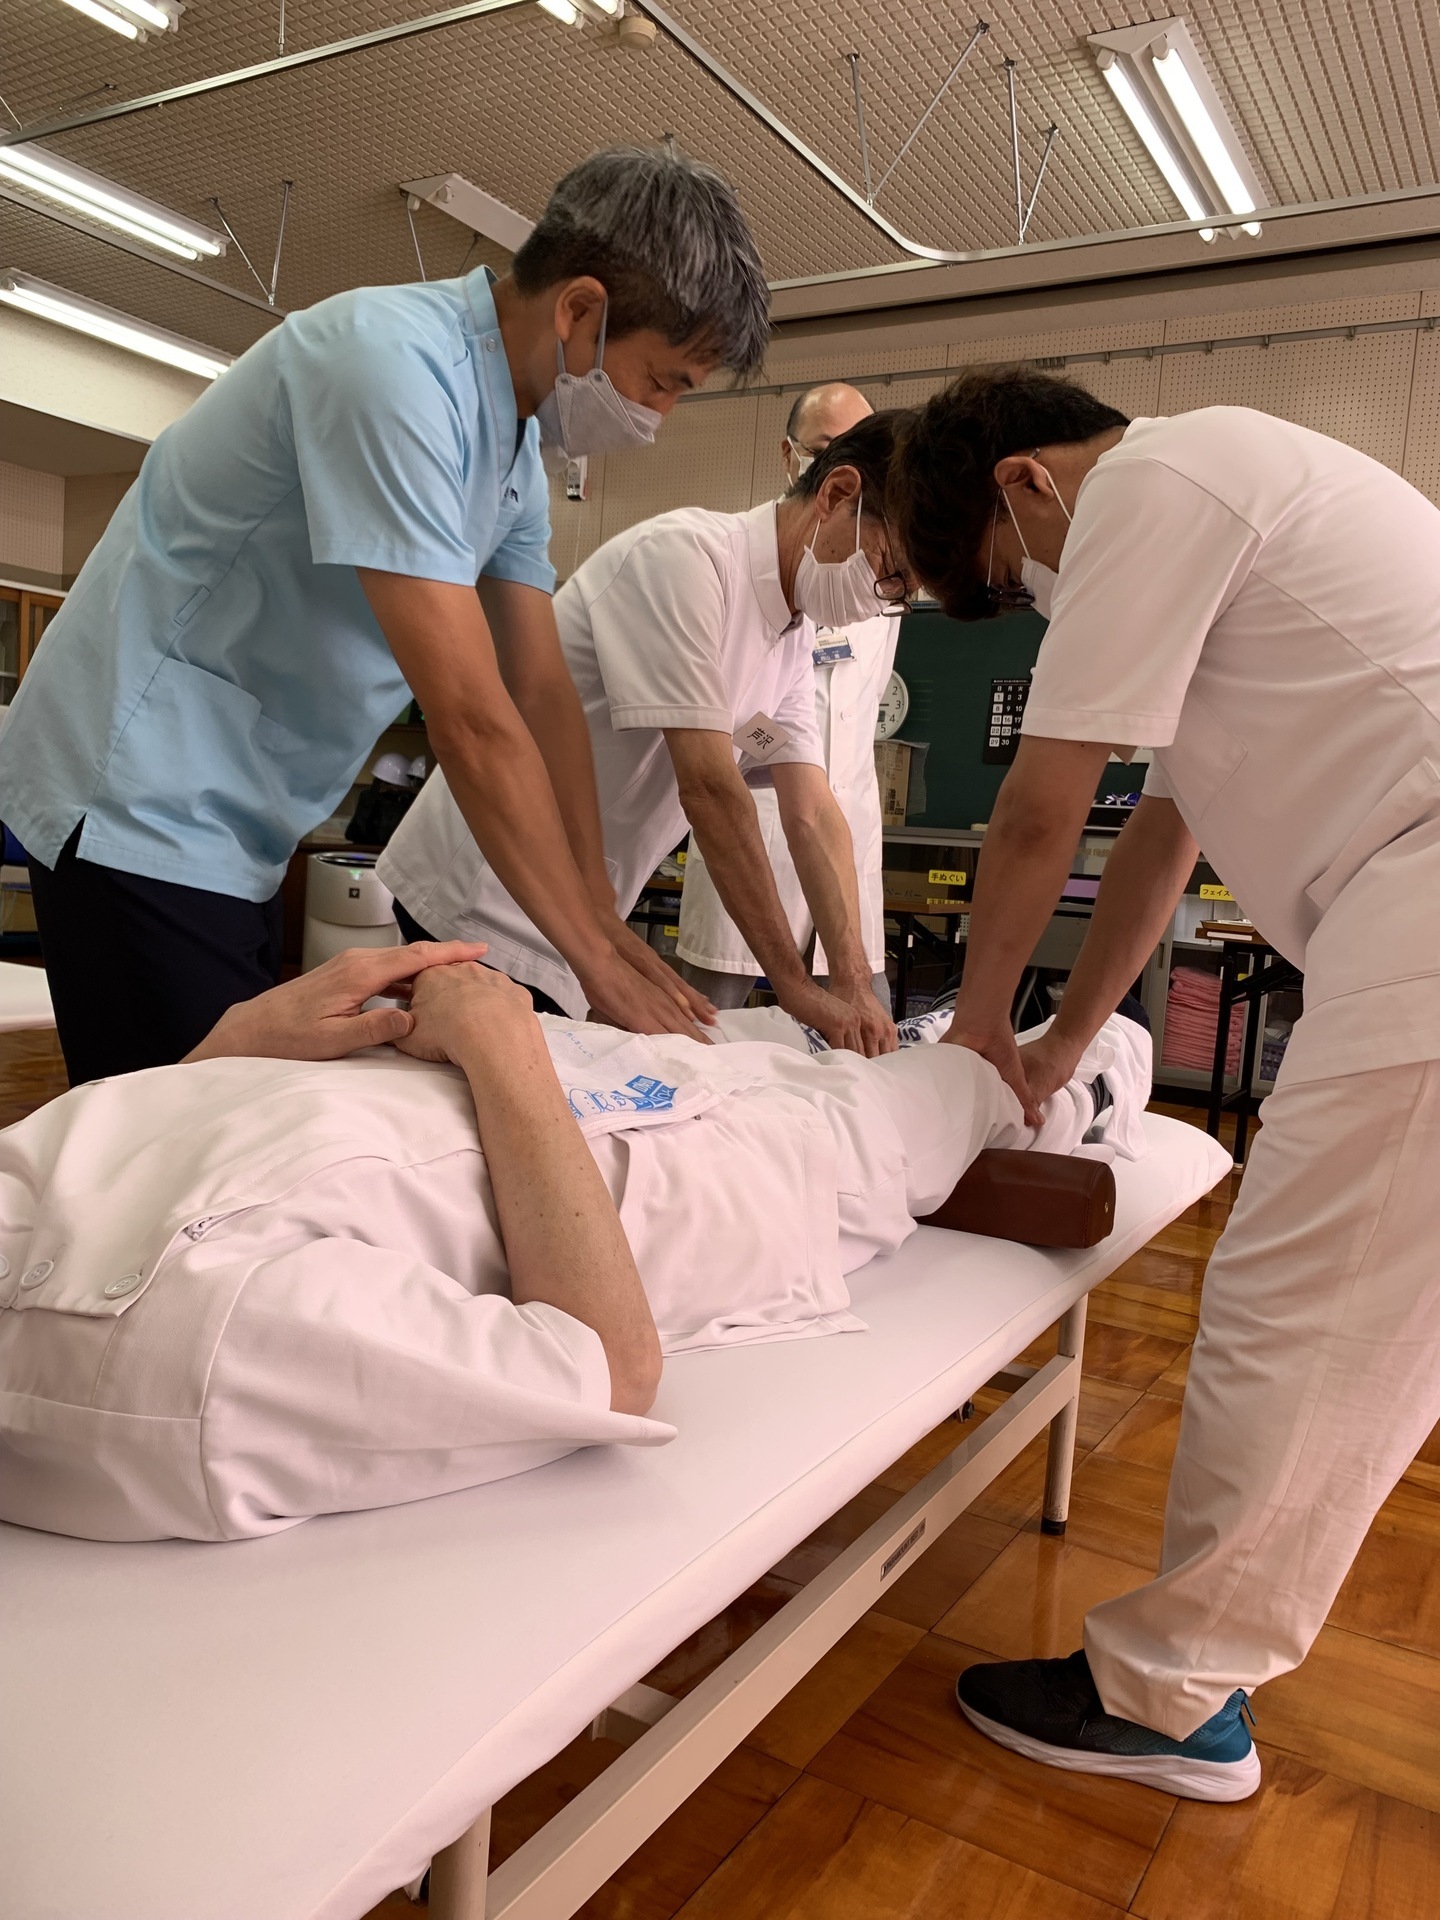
(761, 737)
(829, 653)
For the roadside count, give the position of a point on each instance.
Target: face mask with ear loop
(1039, 581)
(837, 593)
(584, 413)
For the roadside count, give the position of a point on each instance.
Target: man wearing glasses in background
(689, 638)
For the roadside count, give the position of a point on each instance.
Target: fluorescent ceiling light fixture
(44, 173)
(1155, 72)
(29, 295)
(565, 11)
(1138, 114)
(1209, 141)
(130, 17)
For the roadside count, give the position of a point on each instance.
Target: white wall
(32, 525)
(1378, 392)
(56, 371)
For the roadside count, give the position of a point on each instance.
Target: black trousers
(411, 928)
(140, 970)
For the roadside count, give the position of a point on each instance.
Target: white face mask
(837, 593)
(1038, 580)
(584, 413)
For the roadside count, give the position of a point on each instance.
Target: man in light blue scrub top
(356, 512)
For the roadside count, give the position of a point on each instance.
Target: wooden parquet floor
(866, 1796)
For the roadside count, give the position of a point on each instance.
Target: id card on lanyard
(830, 653)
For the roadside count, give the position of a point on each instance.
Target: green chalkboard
(948, 666)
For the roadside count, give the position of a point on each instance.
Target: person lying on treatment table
(320, 1284)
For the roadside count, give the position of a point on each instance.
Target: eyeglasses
(893, 589)
(1006, 599)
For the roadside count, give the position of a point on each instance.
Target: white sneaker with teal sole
(1049, 1710)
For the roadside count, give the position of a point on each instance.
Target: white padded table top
(24, 998)
(288, 1728)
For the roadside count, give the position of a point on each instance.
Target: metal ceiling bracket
(287, 187)
(982, 27)
(1050, 133)
(854, 60)
(411, 203)
(703, 57)
(1015, 150)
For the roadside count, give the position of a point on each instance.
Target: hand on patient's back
(1000, 1050)
(623, 996)
(1048, 1063)
(849, 1024)
(467, 1010)
(321, 1015)
(691, 1004)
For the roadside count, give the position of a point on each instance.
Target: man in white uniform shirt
(1260, 605)
(689, 640)
(852, 666)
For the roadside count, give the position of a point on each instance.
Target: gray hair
(666, 239)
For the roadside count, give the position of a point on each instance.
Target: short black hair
(869, 447)
(942, 487)
(666, 239)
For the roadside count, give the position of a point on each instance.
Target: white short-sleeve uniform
(847, 699)
(677, 622)
(214, 1324)
(1261, 605)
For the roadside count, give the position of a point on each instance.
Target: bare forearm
(824, 856)
(556, 721)
(563, 1240)
(1021, 875)
(498, 780)
(1144, 878)
(727, 830)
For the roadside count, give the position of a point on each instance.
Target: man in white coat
(852, 665)
(689, 639)
(1260, 605)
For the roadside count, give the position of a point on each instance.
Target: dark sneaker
(1048, 1710)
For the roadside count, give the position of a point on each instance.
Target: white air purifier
(346, 905)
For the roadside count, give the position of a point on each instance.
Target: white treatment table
(289, 1728)
(24, 998)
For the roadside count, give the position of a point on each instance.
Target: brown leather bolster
(1044, 1199)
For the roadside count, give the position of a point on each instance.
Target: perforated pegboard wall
(1422, 440)
(1355, 390)
(1314, 313)
(32, 520)
(704, 457)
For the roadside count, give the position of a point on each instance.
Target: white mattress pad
(288, 1728)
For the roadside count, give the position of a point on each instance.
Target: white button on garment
(37, 1275)
(489, 346)
(127, 1283)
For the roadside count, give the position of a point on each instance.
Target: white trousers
(1314, 1382)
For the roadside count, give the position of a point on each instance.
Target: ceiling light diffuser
(130, 17)
(1155, 72)
(1155, 143)
(29, 295)
(44, 173)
